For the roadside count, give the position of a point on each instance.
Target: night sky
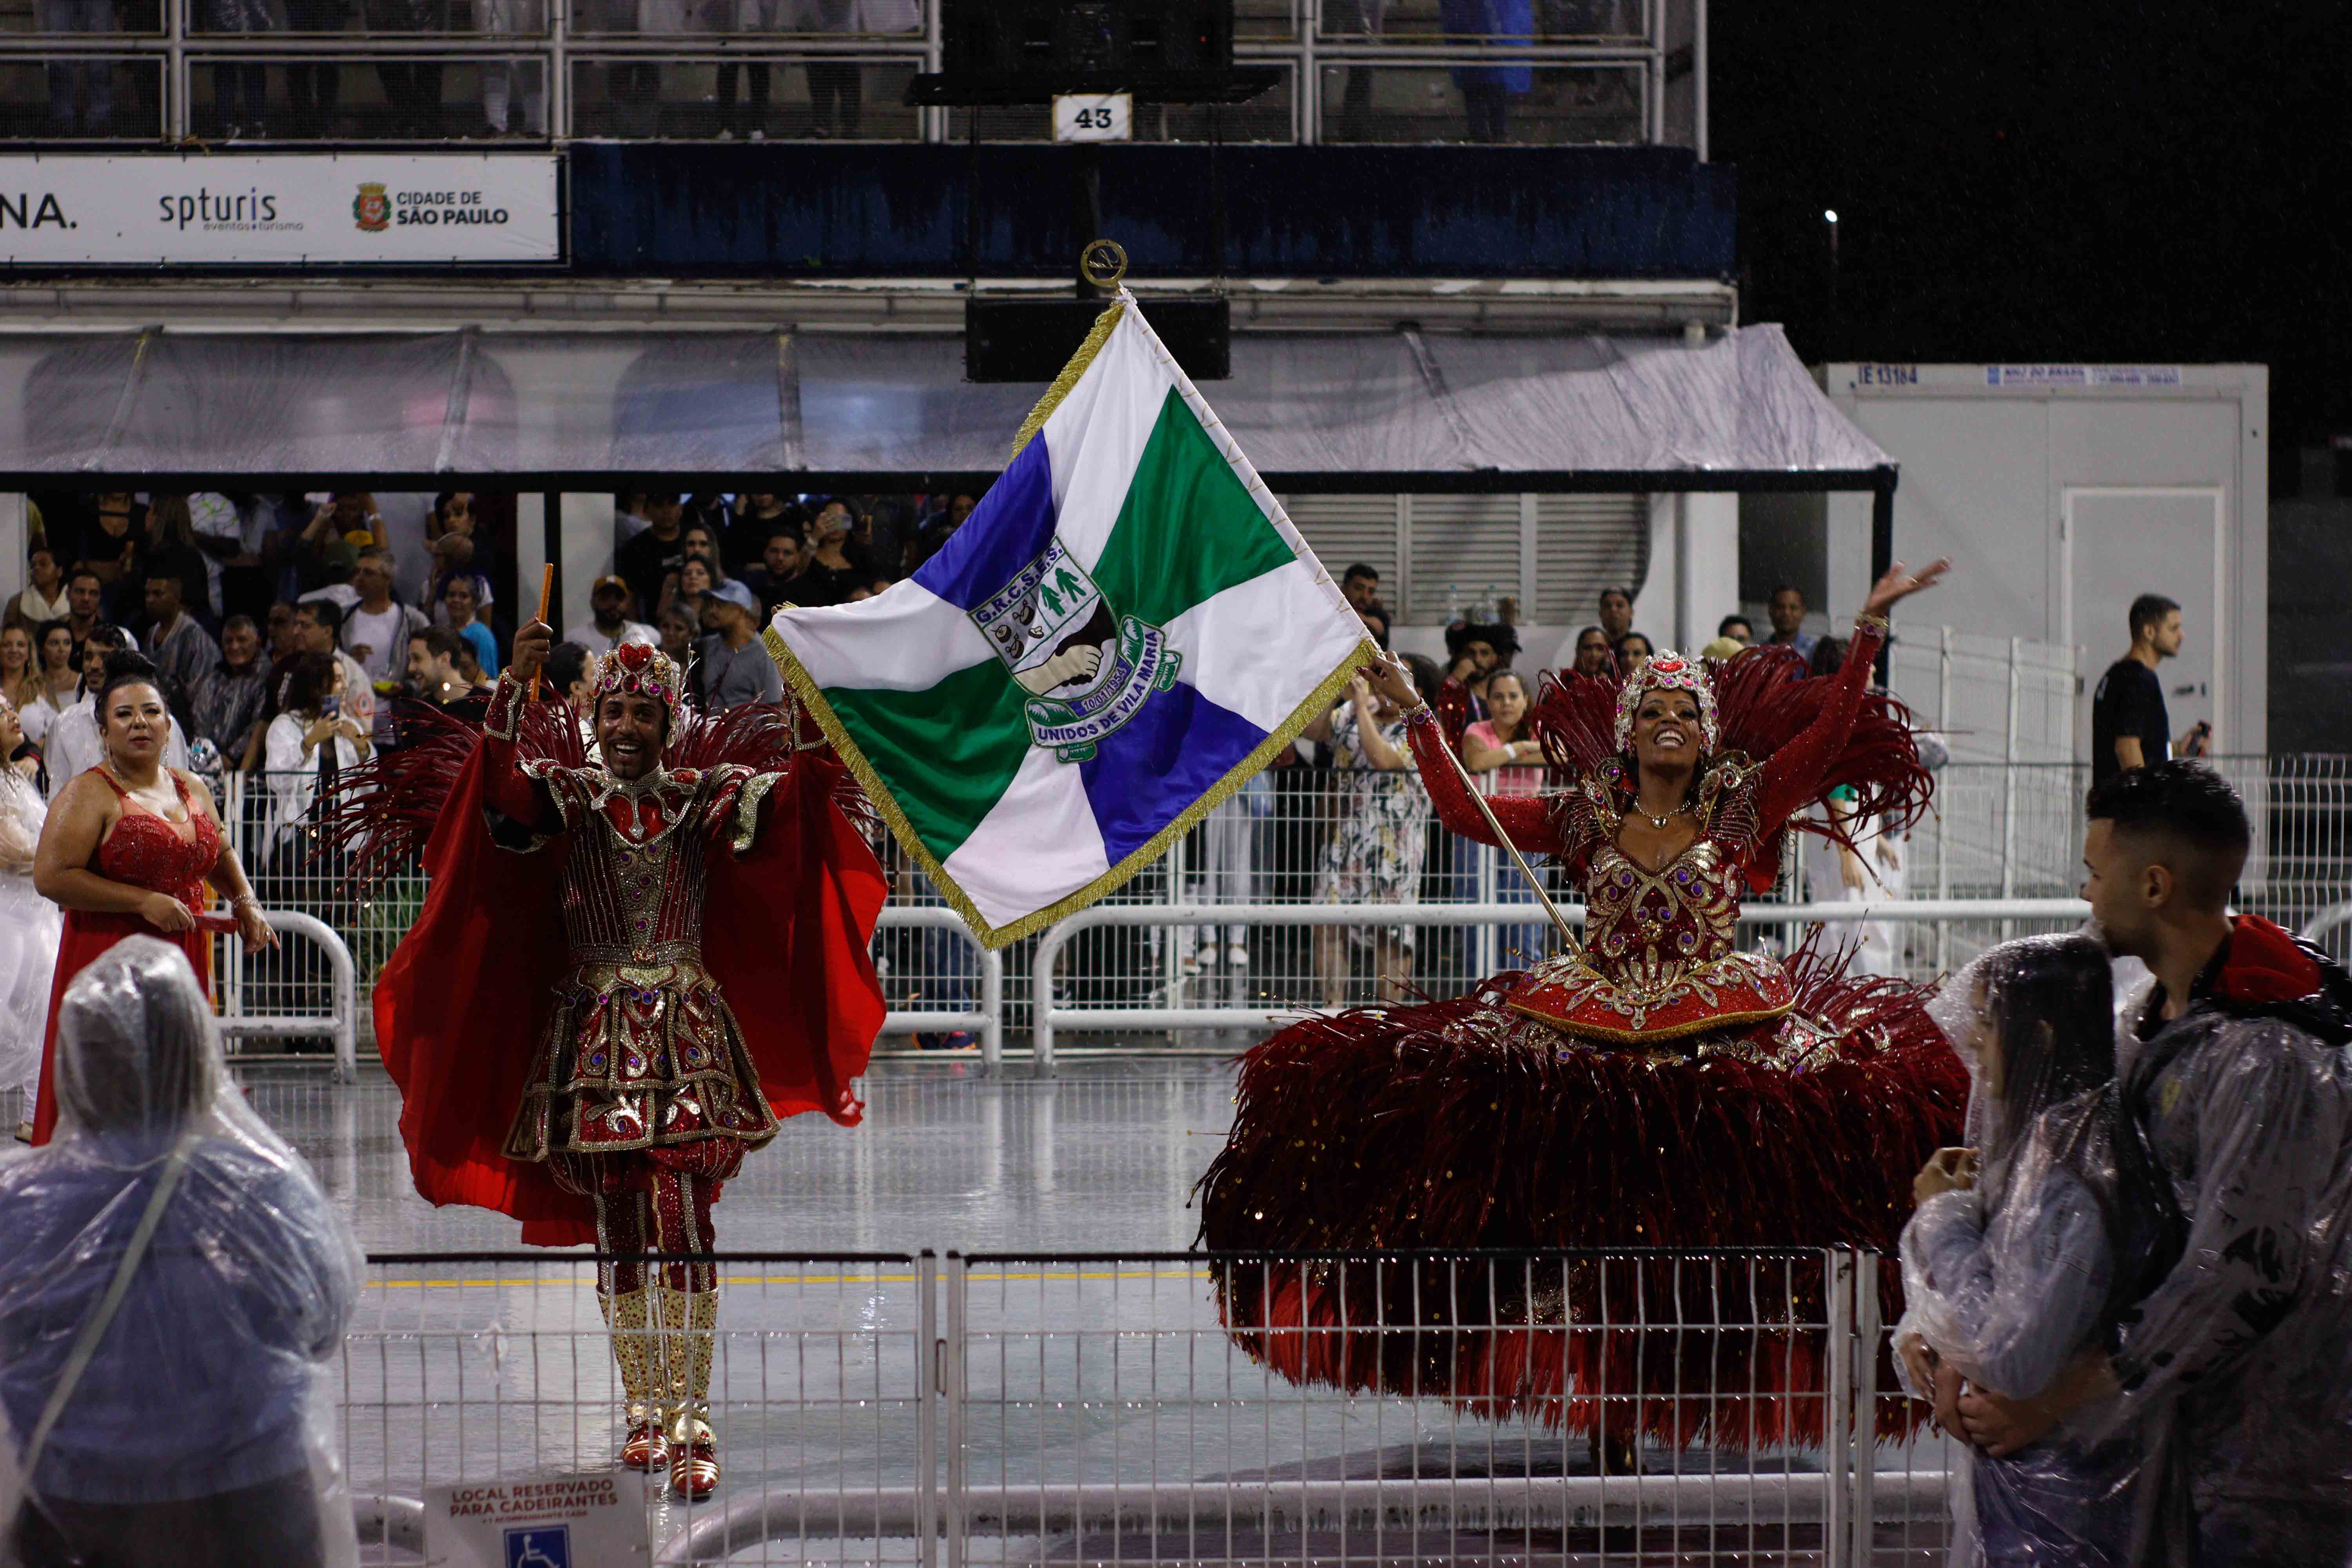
(2146, 184)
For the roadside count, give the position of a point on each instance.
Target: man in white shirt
(377, 629)
(73, 747)
(610, 627)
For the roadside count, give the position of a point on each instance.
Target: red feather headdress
(1764, 699)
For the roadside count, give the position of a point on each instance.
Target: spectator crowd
(281, 634)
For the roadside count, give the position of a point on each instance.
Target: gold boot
(645, 1447)
(689, 1321)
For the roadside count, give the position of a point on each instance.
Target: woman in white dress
(29, 924)
(312, 719)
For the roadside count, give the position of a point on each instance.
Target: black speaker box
(1032, 340)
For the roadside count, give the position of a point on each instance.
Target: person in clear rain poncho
(2018, 1252)
(172, 1283)
(2236, 1077)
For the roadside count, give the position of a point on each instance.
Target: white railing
(910, 1407)
(245, 1013)
(985, 1017)
(1051, 1017)
(1219, 933)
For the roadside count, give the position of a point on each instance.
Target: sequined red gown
(1661, 1087)
(144, 850)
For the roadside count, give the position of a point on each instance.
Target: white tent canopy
(580, 409)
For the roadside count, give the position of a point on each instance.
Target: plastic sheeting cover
(193, 1422)
(596, 403)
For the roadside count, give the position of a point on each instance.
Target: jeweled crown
(1667, 671)
(635, 669)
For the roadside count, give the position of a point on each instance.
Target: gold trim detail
(747, 810)
(1100, 334)
(1639, 1036)
(1321, 700)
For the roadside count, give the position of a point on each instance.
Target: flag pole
(1567, 932)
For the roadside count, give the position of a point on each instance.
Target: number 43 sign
(1093, 117)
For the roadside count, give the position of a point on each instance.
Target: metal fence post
(930, 1375)
(950, 1382)
(2008, 796)
(1866, 1329)
(1837, 1417)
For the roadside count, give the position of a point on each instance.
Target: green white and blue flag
(1125, 630)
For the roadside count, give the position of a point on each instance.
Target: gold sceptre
(1567, 932)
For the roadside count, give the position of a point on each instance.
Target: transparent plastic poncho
(196, 1426)
(2009, 1280)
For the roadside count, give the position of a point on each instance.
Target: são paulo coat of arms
(372, 209)
(1088, 669)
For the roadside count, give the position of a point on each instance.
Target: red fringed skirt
(1459, 1125)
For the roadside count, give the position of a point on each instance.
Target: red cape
(461, 1006)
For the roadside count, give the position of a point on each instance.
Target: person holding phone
(310, 741)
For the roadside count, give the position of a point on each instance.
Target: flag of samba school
(1124, 630)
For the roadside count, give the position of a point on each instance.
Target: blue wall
(785, 210)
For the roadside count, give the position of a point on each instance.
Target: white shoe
(1190, 964)
(1236, 956)
(758, 134)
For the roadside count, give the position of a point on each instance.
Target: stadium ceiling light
(1829, 216)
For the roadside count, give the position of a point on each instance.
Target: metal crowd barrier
(1219, 933)
(985, 1017)
(1033, 1408)
(1051, 1017)
(264, 1008)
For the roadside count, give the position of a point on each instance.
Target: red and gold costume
(1659, 1087)
(729, 879)
(144, 850)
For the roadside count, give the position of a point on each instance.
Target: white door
(2121, 541)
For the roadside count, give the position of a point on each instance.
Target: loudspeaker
(1084, 38)
(1032, 340)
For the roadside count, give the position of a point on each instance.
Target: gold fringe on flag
(1104, 325)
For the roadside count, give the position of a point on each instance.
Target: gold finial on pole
(1103, 263)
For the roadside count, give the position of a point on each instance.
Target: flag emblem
(1088, 669)
(1125, 630)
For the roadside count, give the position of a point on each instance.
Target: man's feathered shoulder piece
(381, 814)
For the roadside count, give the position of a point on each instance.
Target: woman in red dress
(1659, 1087)
(129, 848)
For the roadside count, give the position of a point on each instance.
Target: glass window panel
(81, 98)
(389, 98)
(137, 16)
(754, 97)
(1527, 104)
(835, 19)
(1479, 21)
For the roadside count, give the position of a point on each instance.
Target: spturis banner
(1125, 630)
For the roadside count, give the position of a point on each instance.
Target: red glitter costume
(728, 875)
(144, 851)
(1657, 1088)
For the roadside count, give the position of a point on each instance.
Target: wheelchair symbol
(549, 1546)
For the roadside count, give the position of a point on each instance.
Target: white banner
(595, 1521)
(287, 207)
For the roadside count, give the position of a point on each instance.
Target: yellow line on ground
(801, 1279)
